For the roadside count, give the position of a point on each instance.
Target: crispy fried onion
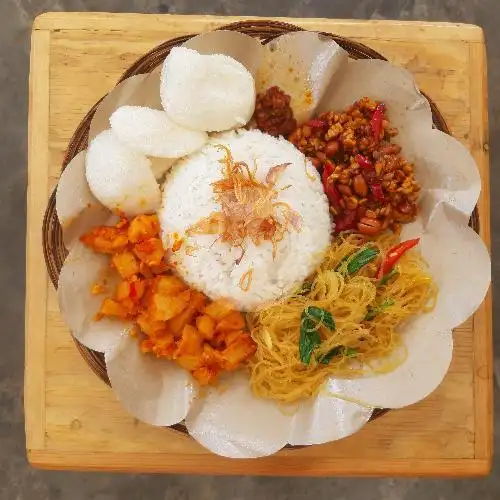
(249, 208)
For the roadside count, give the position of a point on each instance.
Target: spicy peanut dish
(242, 235)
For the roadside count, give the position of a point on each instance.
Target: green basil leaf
(351, 264)
(351, 352)
(309, 339)
(361, 258)
(372, 312)
(319, 315)
(386, 277)
(337, 351)
(306, 288)
(326, 358)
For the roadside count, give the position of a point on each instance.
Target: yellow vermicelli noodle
(277, 371)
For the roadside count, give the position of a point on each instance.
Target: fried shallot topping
(249, 209)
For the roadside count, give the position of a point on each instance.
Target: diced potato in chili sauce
(163, 308)
(143, 227)
(149, 326)
(106, 239)
(219, 309)
(205, 375)
(169, 285)
(172, 320)
(238, 351)
(233, 321)
(113, 309)
(190, 343)
(125, 263)
(197, 302)
(206, 326)
(150, 251)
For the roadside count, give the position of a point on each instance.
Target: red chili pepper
(394, 254)
(327, 171)
(133, 290)
(332, 194)
(363, 161)
(376, 121)
(329, 186)
(315, 123)
(377, 191)
(345, 221)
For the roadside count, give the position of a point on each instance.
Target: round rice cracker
(206, 92)
(151, 132)
(120, 178)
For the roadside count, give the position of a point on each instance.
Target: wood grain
(73, 420)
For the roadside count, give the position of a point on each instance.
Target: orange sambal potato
(125, 263)
(172, 320)
(143, 227)
(218, 309)
(106, 239)
(233, 321)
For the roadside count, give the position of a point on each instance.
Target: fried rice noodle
(278, 373)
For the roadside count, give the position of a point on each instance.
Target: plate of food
(267, 244)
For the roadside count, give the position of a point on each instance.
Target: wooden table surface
(73, 420)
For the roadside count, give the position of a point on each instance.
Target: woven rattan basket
(53, 247)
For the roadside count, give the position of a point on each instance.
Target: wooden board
(73, 420)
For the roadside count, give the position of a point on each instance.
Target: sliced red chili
(327, 171)
(394, 254)
(315, 123)
(133, 290)
(376, 121)
(363, 162)
(345, 221)
(377, 191)
(332, 194)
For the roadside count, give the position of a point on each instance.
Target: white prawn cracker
(120, 178)
(206, 92)
(151, 132)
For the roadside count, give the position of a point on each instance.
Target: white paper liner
(77, 208)
(458, 259)
(445, 169)
(245, 49)
(327, 418)
(221, 422)
(429, 357)
(156, 391)
(138, 90)
(229, 421)
(459, 263)
(303, 65)
(382, 81)
(82, 269)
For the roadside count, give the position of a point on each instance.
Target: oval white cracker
(151, 132)
(206, 92)
(120, 178)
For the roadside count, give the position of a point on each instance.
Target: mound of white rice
(212, 267)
